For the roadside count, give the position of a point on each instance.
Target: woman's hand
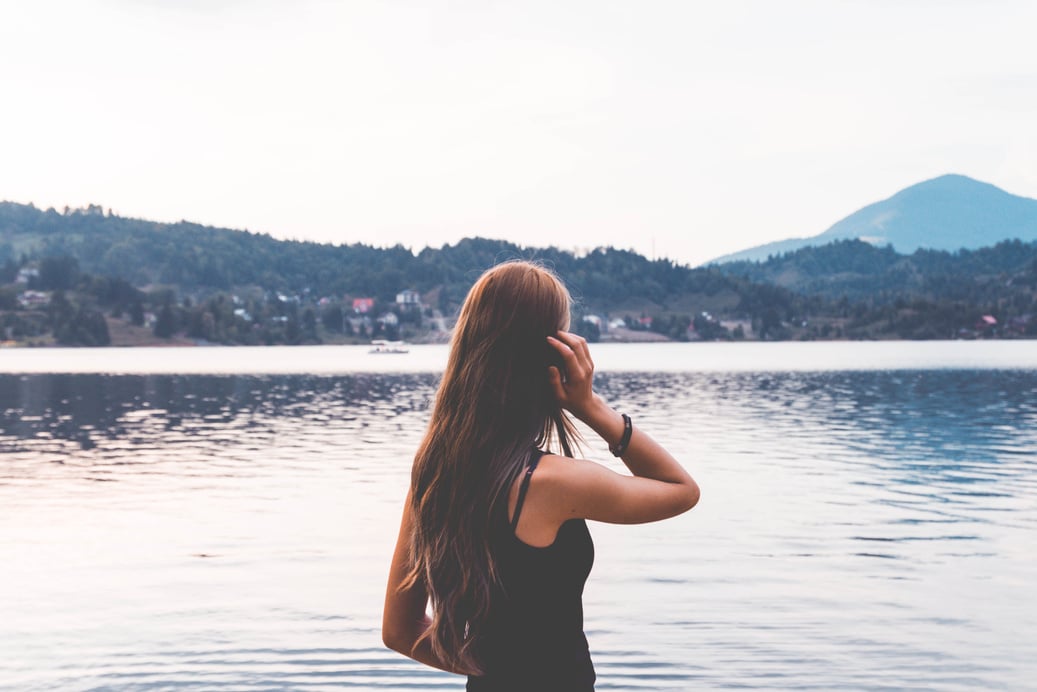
(575, 391)
(660, 487)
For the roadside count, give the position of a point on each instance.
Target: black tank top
(533, 640)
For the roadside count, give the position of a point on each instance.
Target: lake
(224, 517)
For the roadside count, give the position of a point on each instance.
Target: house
(33, 299)
(593, 319)
(362, 305)
(986, 323)
(359, 325)
(1019, 325)
(408, 298)
(26, 274)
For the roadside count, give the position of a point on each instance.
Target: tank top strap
(524, 488)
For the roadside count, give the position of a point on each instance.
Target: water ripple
(858, 530)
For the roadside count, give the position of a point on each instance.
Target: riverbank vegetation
(87, 277)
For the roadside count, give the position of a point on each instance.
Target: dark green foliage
(199, 258)
(242, 288)
(8, 299)
(334, 319)
(58, 273)
(24, 324)
(136, 312)
(87, 327)
(709, 328)
(674, 327)
(166, 322)
(76, 325)
(9, 269)
(856, 269)
(309, 326)
(587, 329)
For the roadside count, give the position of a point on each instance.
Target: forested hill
(859, 270)
(199, 259)
(72, 277)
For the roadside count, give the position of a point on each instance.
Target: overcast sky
(685, 129)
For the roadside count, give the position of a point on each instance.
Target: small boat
(383, 346)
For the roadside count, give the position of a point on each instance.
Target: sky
(684, 129)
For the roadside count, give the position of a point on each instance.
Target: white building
(408, 298)
(25, 274)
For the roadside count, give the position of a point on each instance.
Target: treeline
(77, 303)
(874, 292)
(237, 287)
(858, 270)
(200, 259)
(74, 312)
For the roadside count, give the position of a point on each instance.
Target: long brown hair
(493, 405)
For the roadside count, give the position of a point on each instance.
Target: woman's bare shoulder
(582, 488)
(556, 469)
(565, 479)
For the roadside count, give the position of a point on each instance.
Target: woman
(493, 534)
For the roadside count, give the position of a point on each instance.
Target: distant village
(39, 306)
(30, 316)
(361, 318)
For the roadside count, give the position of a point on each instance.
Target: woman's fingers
(574, 366)
(565, 351)
(570, 339)
(555, 378)
(575, 342)
(578, 345)
(574, 391)
(579, 369)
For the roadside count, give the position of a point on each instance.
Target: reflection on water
(857, 530)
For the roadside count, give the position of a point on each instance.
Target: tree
(137, 313)
(587, 329)
(309, 326)
(9, 271)
(59, 310)
(165, 324)
(58, 273)
(333, 318)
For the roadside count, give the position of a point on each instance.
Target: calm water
(867, 521)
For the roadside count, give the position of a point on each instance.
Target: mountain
(951, 212)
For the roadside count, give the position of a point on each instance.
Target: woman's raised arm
(659, 488)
